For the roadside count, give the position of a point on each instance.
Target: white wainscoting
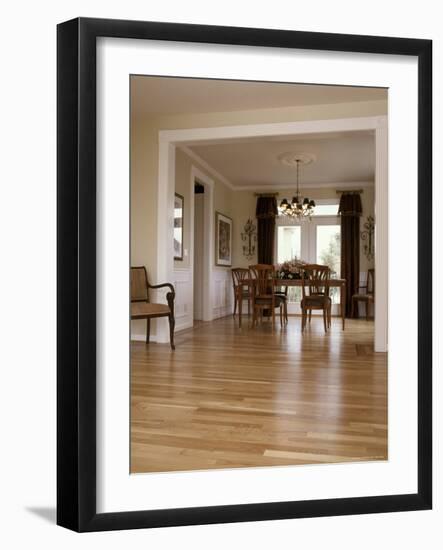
(222, 296)
(184, 307)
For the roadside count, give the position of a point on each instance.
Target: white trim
(306, 186)
(381, 239)
(207, 166)
(191, 136)
(168, 139)
(208, 241)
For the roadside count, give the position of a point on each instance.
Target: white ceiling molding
(323, 185)
(206, 166)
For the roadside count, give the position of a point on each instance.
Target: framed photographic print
(178, 226)
(223, 240)
(174, 408)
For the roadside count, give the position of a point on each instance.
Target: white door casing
(169, 139)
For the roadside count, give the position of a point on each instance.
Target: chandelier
(300, 207)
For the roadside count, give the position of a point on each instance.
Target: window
(289, 242)
(289, 247)
(330, 209)
(328, 252)
(313, 241)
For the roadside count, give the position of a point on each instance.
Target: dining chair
(242, 289)
(367, 297)
(315, 279)
(282, 292)
(142, 308)
(263, 295)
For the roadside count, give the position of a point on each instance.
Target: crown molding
(323, 185)
(207, 166)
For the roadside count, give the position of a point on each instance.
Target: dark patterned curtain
(350, 210)
(265, 212)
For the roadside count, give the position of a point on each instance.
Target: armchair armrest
(168, 285)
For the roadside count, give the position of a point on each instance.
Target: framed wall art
(171, 410)
(223, 240)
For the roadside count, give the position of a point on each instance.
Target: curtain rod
(358, 191)
(266, 194)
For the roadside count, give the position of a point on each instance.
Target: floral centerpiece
(291, 269)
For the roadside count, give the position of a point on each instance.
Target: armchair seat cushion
(141, 310)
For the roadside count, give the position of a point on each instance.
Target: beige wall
(144, 174)
(244, 208)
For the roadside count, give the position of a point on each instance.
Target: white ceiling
(168, 95)
(341, 158)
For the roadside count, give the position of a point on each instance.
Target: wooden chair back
(239, 274)
(316, 279)
(139, 284)
(263, 275)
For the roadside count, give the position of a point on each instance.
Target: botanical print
(224, 245)
(223, 240)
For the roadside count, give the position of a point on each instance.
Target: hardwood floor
(230, 397)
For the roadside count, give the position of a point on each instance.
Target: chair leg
(325, 322)
(148, 330)
(303, 319)
(367, 309)
(171, 331)
(329, 315)
(281, 316)
(249, 306)
(235, 303)
(310, 315)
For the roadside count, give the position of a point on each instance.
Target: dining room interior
(258, 274)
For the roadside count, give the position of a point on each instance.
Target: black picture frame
(76, 280)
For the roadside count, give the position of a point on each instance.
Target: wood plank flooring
(231, 398)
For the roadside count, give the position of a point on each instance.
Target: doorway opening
(198, 267)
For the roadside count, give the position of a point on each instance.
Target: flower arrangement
(291, 269)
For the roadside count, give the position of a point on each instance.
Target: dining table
(278, 282)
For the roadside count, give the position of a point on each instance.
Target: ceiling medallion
(291, 158)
